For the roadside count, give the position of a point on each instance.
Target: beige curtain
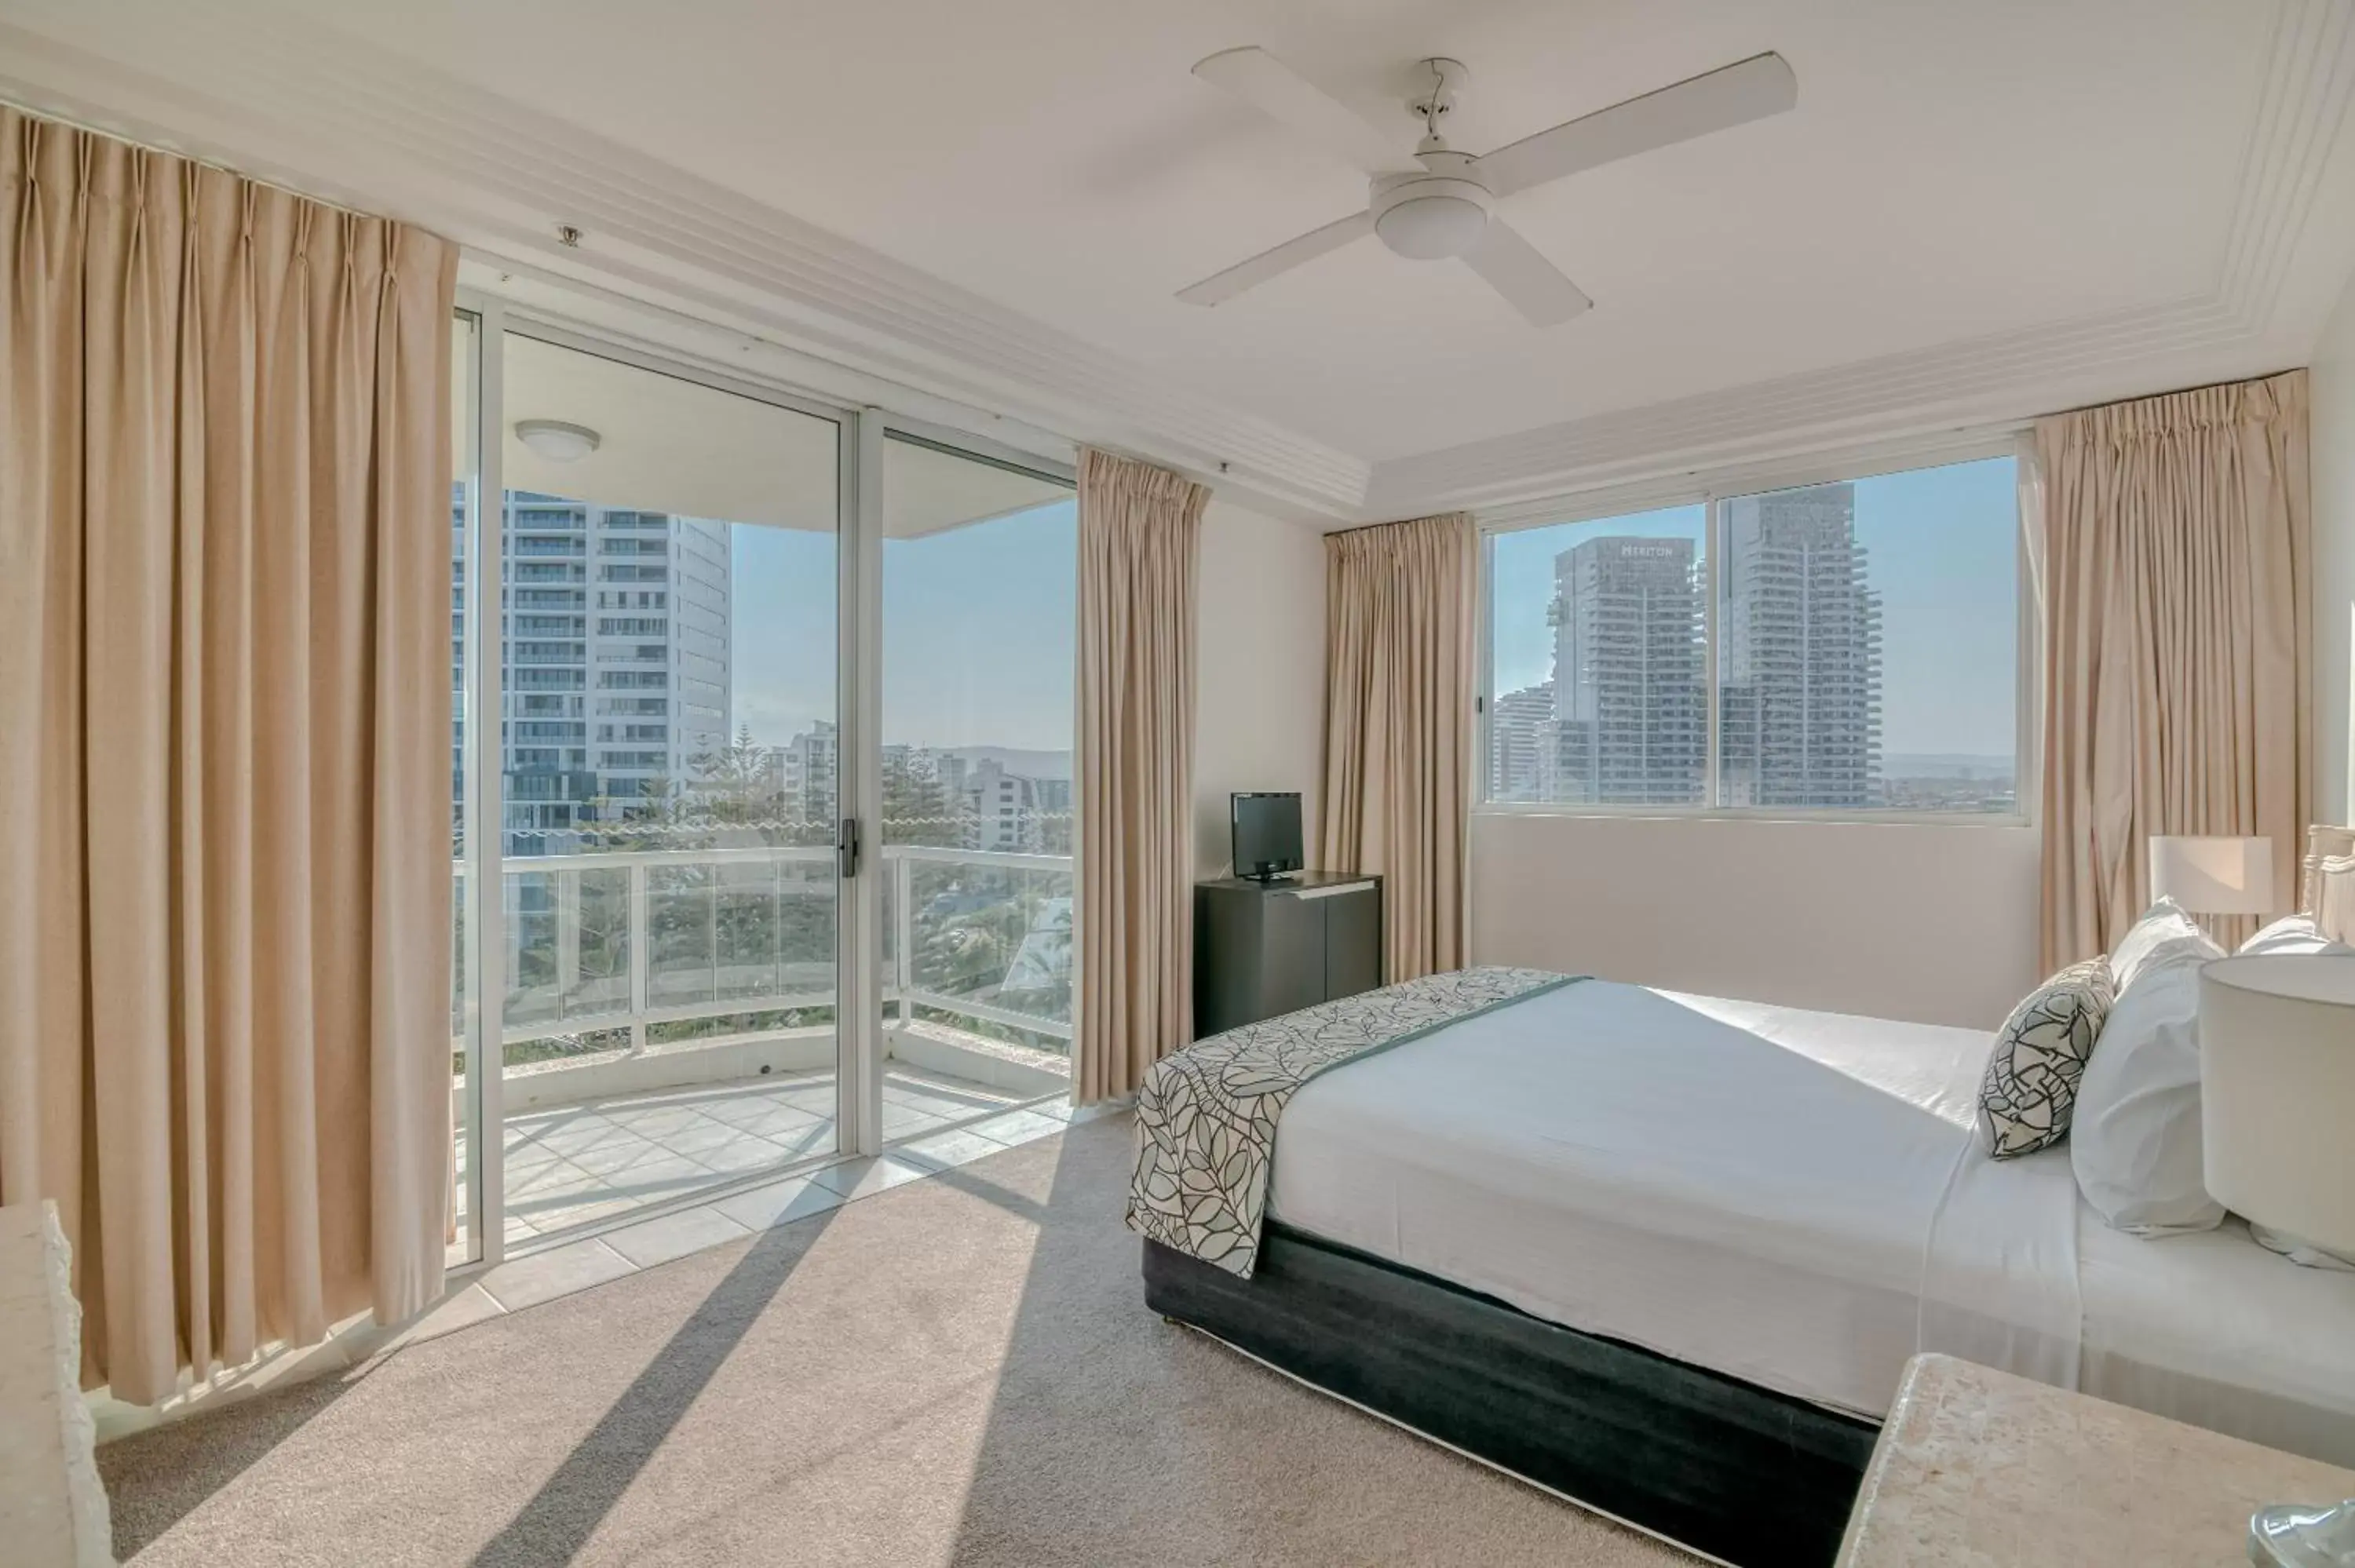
(2177, 545)
(1140, 539)
(225, 692)
(1398, 728)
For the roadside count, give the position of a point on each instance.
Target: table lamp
(2276, 1102)
(2213, 875)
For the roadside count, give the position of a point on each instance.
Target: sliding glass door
(764, 761)
(667, 702)
(979, 609)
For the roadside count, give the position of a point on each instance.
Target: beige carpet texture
(961, 1370)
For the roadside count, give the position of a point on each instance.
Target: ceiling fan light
(558, 440)
(1430, 227)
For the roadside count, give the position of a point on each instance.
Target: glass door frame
(862, 1111)
(859, 556)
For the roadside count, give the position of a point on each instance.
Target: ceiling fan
(1441, 203)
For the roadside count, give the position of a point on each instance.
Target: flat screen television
(1268, 834)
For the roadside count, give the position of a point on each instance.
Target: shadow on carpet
(961, 1370)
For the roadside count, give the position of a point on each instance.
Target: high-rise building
(614, 634)
(1800, 631)
(1004, 807)
(806, 770)
(1524, 750)
(1629, 709)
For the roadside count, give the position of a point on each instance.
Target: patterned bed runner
(1206, 1118)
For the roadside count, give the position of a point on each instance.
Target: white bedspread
(1776, 1195)
(2214, 1329)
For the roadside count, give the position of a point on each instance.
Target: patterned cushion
(2030, 1088)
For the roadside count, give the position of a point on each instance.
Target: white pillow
(2164, 930)
(2134, 1140)
(2295, 934)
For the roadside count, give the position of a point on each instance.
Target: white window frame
(1711, 490)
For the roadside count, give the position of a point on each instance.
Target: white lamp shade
(2214, 876)
(2278, 1093)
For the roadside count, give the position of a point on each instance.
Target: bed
(1666, 1256)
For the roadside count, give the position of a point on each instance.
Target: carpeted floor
(959, 1371)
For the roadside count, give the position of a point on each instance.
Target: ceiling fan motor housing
(1438, 213)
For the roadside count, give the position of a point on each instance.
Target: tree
(738, 786)
(918, 808)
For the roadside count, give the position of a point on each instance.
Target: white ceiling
(1056, 156)
(1982, 204)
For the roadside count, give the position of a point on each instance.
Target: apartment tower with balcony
(1629, 708)
(1524, 745)
(1800, 634)
(614, 637)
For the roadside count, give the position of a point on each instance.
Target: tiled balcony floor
(576, 1165)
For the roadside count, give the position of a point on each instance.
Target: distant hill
(1022, 764)
(1944, 765)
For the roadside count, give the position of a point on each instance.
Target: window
(1598, 648)
(1851, 646)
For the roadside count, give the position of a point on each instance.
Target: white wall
(1260, 671)
(2333, 446)
(1931, 923)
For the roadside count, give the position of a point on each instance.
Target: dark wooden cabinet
(1261, 948)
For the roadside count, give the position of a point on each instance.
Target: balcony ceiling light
(556, 439)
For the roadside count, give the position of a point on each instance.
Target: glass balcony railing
(629, 951)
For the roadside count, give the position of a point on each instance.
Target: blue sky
(978, 629)
(1941, 547)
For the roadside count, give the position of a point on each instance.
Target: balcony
(647, 984)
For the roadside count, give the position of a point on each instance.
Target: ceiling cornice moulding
(285, 103)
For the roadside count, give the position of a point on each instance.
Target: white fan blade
(1220, 287)
(1283, 95)
(1531, 284)
(1733, 95)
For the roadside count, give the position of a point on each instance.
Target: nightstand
(1976, 1466)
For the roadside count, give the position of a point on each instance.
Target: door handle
(845, 847)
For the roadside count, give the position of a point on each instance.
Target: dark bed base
(1718, 1465)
